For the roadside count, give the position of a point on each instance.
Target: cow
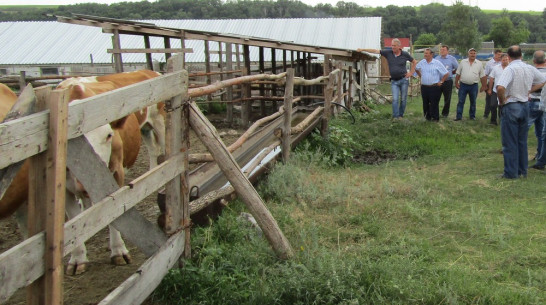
(102, 139)
(150, 119)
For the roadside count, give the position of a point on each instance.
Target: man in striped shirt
(515, 83)
(433, 74)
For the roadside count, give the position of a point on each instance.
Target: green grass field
(430, 223)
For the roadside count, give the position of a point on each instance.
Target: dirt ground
(102, 277)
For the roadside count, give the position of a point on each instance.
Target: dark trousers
(487, 105)
(447, 89)
(431, 98)
(494, 104)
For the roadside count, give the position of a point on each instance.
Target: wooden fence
(53, 140)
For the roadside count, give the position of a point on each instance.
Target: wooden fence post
(22, 80)
(207, 134)
(56, 184)
(176, 198)
(328, 95)
(288, 97)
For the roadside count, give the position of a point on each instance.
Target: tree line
(457, 25)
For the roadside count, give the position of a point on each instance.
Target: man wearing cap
(515, 83)
(399, 74)
(469, 73)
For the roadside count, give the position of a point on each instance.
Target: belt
(395, 79)
(434, 85)
(534, 100)
(469, 84)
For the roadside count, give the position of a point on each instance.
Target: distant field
(500, 11)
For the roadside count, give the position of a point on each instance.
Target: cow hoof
(120, 260)
(76, 269)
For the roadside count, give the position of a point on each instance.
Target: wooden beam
(116, 43)
(207, 134)
(147, 49)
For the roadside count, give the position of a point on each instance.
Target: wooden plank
(288, 97)
(29, 134)
(21, 265)
(55, 196)
(99, 182)
(143, 282)
(207, 134)
(149, 50)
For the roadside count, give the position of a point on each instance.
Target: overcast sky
(524, 5)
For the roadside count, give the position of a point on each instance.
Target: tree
(426, 39)
(460, 29)
(500, 32)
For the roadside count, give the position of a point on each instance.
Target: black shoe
(473, 119)
(540, 168)
(502, 176)
(457, 119)
(493, 123)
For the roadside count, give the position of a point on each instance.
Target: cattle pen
(53, 140)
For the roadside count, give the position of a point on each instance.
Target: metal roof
(50, 42)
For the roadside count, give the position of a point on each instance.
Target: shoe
(502, 176)
(457, 119)
(540, 168)
(472, 119)
(485, 116)
(444, 116)
(493, 123)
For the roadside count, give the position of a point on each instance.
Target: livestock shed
(42, 48)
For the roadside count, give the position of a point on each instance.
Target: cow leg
(78, 257)
(119, 254)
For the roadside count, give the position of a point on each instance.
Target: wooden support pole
(147, 45)
(37, 200)
(167, 45)
(207, 134)
(207, 70)
(221, 60)
(22, 80)
(284, 67)
(350, 88)
(328, 96)
(262, 87)
(339, 85)
(116, 42)
(246, 107)
(229, 93)
(288, 97)
(55, 195)
(274, 71)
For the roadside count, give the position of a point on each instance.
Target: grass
(430, 225)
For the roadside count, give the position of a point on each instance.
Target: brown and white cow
(150, 119)
(102, 139)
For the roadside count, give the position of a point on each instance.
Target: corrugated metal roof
(50, 42)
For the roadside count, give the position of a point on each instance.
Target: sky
(525, 5)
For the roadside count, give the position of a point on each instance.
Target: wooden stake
(288, 97)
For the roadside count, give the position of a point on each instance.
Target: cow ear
(117, 124)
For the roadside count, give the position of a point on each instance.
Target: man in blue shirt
(433, 74)
(399, 74)
(451, 65)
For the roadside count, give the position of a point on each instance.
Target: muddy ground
(102, 277)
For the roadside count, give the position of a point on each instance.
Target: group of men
(512, 85)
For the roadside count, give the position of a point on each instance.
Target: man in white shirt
(469, 73)
(494, 77)
(494, 62)
(515, 83)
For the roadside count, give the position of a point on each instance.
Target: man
(537, 103)
(495, 75)
(397, 59)
(469, 73)
(433, 75)
(493, 62)
(451, 65)
(513, 88)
